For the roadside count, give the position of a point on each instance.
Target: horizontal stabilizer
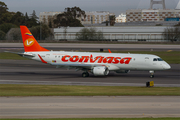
(24, 54)
(21, 54)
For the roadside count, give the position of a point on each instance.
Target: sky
(113, 6)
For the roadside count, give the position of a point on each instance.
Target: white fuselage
(114, 61)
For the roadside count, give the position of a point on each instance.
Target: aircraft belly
(113, 67)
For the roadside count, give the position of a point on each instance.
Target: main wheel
(85, 74)
(152, 76)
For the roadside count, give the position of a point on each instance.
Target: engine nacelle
(122, 71)
(100, 71)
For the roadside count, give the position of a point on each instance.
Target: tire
(85, 74)
(152, 76)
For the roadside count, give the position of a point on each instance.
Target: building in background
(121, 18)
(94, 17)
(133, 15)
(47, 17)
(126, 34)
(153, 14)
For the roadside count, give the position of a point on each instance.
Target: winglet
(109, 51)
(30, 43)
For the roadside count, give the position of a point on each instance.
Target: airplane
(99, 64)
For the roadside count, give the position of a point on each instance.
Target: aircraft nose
(166, 66)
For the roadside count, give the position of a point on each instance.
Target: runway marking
(81, 83)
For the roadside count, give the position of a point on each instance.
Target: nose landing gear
(152, 73)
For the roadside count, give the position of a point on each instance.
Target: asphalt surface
(33, 72)
(90, 107)
(94, 47)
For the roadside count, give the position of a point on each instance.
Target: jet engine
(122, 71)
(100, 71)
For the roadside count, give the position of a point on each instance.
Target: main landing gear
(85, 74)
(152, 73)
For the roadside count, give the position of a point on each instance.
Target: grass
(5, 55)
(99, 119)
(61, 90)
(171, 57)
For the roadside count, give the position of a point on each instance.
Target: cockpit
(158, 59)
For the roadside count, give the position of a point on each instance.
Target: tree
(6, 18)
(172, 33)
(50, 24)
(75, 12)
(14, 34)
(18, 19)
(33, 15)
(69, 17)
(26, 17)
(45, 30)
(3, 8)
(6, 27)
(89, 34)
(2, 35)
(27, 21)
(33, 19)
(112, 19)
(106, 23)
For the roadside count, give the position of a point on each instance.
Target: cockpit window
(157, 59)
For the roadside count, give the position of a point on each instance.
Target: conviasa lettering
(98, 59)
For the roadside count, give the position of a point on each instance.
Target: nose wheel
(85, 74)
(152, 73)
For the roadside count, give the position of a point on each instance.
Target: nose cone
(166, 66)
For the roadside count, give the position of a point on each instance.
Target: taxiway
(90, 107)
(33, 72)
